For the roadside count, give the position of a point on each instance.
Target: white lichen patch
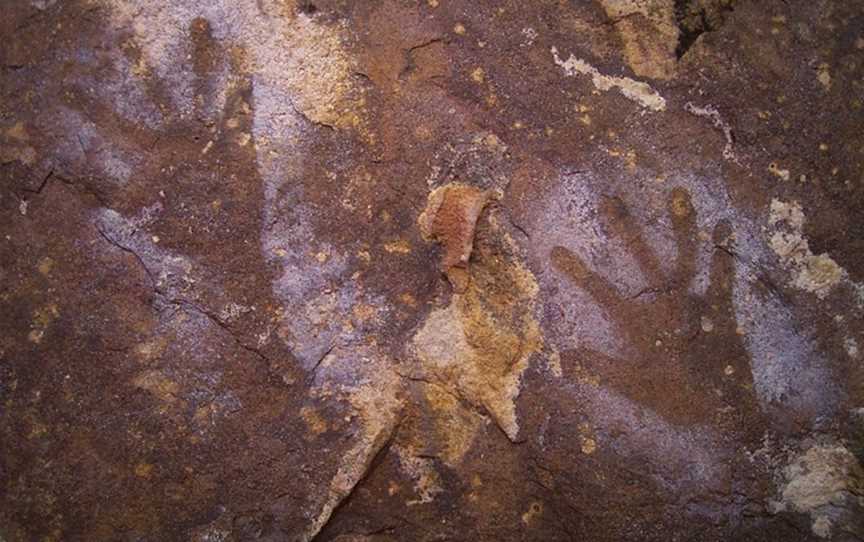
(814, 273)
(711, 113)
(790, 213)
(421, 470)
(851, 347)
(232, 311)
(823, 75)
(530, 36)
(553, 363)
(637, 91)
(825, 483)
(42, 319)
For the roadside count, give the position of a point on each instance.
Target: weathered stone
(435, 270)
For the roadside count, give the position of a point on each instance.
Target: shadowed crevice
(696, 17)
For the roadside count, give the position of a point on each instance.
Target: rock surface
(431, 270)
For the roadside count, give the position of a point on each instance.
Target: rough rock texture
(395, 270)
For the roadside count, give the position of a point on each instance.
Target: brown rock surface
(428, 270)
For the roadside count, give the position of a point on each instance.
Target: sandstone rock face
(395, 270)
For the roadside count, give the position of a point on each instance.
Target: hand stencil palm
(672, 336)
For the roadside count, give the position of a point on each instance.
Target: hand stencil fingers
(625, 227)
(722, 267)
(580, 274)
(683, 217)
